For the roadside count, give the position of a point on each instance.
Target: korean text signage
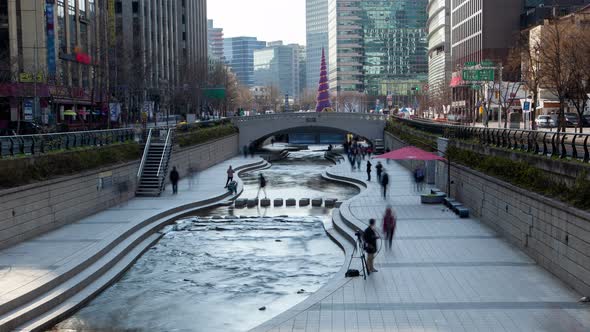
(478, 75)
(30, 78)
(50, 28)
(28, 109)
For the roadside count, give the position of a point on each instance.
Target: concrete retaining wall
(195, 158)
(28, 211)
(555, 235)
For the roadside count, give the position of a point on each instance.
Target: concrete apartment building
(214, 41)
(378, 48)
(316, 39)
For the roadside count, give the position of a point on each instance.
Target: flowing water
(213, 271)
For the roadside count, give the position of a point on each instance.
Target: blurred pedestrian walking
(389, 223)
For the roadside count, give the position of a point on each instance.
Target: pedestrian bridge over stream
(254, 129)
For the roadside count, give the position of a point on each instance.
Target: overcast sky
(269, 20)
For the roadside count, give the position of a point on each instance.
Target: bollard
(317, 202)
(330, 202)
(291, 202)
(265, 202)
(241, 203)
(303, 202)
(278, 202)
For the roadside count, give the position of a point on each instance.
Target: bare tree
(350, 101)
(554, 63)
(576, 50)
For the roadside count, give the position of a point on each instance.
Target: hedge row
(523, 175)
(21, 171)
(204, 135)
(411, 136)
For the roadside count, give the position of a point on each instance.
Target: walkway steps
(49, 299)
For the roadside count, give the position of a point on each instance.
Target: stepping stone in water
(252, 202)
(241, 203)
(331, 202)
(291, 202)
(278, 202)
(265, 202)
(317, 202)
(304, 202)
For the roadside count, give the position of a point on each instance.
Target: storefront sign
(30, 78)
(28, 109)
(50, 28)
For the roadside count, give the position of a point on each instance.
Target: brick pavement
(443, 274)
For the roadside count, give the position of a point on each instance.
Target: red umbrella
(410, 153)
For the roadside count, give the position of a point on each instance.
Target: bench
(462, 211)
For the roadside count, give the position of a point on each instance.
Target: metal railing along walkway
(550, 144)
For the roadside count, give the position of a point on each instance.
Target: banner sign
(50, 28)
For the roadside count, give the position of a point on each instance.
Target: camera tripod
(361, 254)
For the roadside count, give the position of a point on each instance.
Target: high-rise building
(51, 60)
(378, 47)
(239, 55)
(480, 30)
(439, 49)
(536, 11)
(160, 48)
(483, 29)
(317, 38)
(215, 41)
(278, 66)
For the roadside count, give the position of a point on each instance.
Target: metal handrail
(145, 153)
(562, 144)
(164, 152)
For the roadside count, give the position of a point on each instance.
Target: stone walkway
(29, 266)
(443, 274)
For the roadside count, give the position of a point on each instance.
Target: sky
(269, 20)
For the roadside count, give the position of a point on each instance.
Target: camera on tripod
(359, 235)
(359, 250)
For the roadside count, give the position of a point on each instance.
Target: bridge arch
(255, 128)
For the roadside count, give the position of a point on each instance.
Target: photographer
(370, 239)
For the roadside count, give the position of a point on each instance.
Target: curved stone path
(45, 278)
(443, 274)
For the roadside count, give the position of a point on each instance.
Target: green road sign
(487, 63)
(214, 93)
(470, 64)
(477, 75)
(476, 87)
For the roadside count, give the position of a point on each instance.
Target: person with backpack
(370, 237)
(262, 185)
(174, 177)
(389, 223)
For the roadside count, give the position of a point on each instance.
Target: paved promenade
(32, 264)
(443, 274)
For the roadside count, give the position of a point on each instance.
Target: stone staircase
(154, 166)
(379, 146)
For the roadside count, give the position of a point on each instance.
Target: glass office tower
(379, 47)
